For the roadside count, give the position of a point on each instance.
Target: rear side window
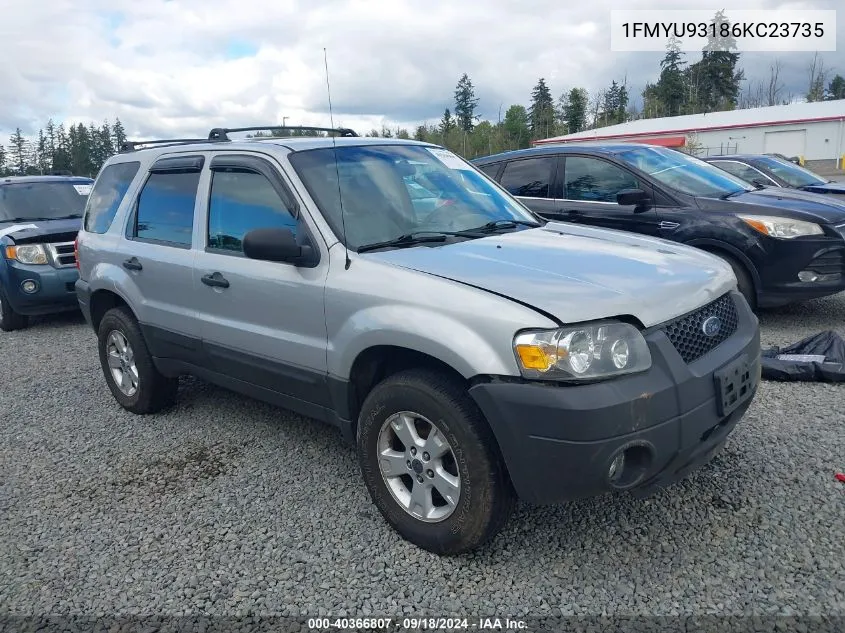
(165, 208)
(491, 170)
(595, 180)
(243, 200)
(530, 177)
(107, 194)
(740, 170)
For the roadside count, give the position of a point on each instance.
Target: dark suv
(772, 171)
(39, 219)
(783, 246)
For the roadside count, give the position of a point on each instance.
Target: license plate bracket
(734, 385)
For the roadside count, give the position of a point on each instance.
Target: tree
(670, 86)
(465, 104)
(402, 133)
(420, 134)
(836, 89)
(42, 158)
(18, 152)
(542, 111)
(775, 85)
(119, 134)
(2, 161)
(447, 123)
(517, 127)
(817, 75)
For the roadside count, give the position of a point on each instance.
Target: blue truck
(40, 217)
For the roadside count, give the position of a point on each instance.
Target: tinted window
(529, 177)
(595, 180)
(241, 201)
(491, 170)
(107, 195)
(740, 170)
(166, 207)
(43, 200)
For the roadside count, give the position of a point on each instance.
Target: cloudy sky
(178, 67)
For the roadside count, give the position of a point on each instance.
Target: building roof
(751, 117)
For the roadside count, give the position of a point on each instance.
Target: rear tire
(477, 497)
(9, 319)
(744, 282)
(128, 366)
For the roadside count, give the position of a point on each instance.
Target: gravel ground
(227, 506)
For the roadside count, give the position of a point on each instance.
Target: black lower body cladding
(637, 432)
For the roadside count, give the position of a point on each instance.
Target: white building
(811, 131)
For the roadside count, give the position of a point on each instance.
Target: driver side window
(595, 180)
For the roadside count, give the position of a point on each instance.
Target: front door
(589, 188)
(263, 323)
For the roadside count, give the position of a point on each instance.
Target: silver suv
(473, 352)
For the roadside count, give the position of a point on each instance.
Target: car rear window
(108, 193)
(42, 200)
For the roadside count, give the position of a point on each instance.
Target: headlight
(586, 352)
(781, 227)
(27, 253)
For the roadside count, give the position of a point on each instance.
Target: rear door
(532, 181)
(263, 322)
(157, 255)
(589, 185)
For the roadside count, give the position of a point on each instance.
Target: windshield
(683, 172)
(42, 200)
(792, 174)
(393, 190)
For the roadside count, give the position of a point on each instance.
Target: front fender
(422, 330)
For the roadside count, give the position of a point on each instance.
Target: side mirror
(275, 245)
(636, 198)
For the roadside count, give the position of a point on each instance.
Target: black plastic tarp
(817, 358)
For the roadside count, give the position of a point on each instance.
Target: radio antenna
(336, 167)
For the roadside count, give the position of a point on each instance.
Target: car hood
(25, 231)
(577, 274)
(828, 187)
(790, 203)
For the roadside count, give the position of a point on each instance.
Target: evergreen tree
(2, 161)
(43, 159)
(447, 123)
(542, 111)
(465, 104)
(107, 147)
(716, 77)
(18, 152)
(836, 89)
(51, 142)
(420, 134)
(118, 134)
(61, 157)
(670, 86)
(575, 112)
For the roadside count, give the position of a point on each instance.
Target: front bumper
(559, 441)
(784, 259)
(56, 292)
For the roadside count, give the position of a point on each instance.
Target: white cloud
(165, 67)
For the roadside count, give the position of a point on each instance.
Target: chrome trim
(60, 260)
(669, 225)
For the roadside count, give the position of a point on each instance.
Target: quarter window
(595, 180)
(165, 210)
(529, 178)
(243, 200)
(107, 194)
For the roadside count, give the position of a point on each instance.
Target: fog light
(808, 275)
(29, 286)
(616, 467)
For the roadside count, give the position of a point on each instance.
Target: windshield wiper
(734, 193)
(498, 225)
(72, 216)
(412, 239)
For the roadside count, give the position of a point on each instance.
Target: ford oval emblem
(711, 326)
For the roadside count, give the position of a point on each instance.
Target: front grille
(687, 332)
(62, 254)
(829, 263)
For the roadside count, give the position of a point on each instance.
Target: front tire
(128, 365)
(9, 319)
(431, 464)
(744, 282)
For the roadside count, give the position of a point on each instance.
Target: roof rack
(222, 134)
(131, 146)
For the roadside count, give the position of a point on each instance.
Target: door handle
(132, 264)
(215, 280)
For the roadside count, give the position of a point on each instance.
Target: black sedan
(783, 245)
(770, 171)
